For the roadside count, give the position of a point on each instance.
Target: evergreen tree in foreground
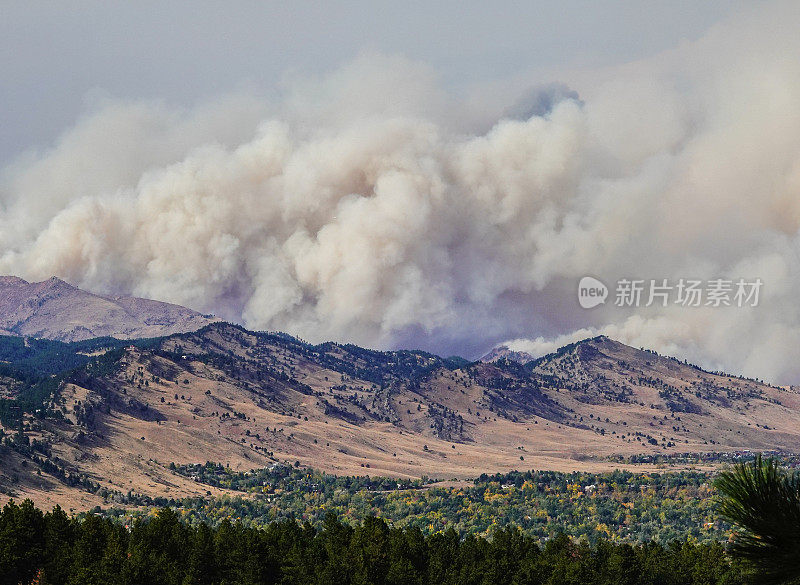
(763, 502)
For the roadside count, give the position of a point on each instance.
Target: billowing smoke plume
(368, 207)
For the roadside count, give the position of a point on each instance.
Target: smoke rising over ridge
(370, 206)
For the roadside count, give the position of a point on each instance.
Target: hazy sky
(433, 175)
(55, 57)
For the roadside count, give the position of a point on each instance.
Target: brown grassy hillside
(250, 399)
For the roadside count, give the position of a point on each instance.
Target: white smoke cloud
(367, 206)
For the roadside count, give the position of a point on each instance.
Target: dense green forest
(32, 369)
(54, 549)
(46, 357)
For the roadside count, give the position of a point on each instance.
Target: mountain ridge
(54, 309)
(254, 399)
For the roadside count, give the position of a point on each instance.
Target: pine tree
(763, 502)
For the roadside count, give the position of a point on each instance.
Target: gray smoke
(540, 101)
(364, 206)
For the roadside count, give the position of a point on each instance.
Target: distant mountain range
(54, 309)
(89, 421)
(504, 352)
